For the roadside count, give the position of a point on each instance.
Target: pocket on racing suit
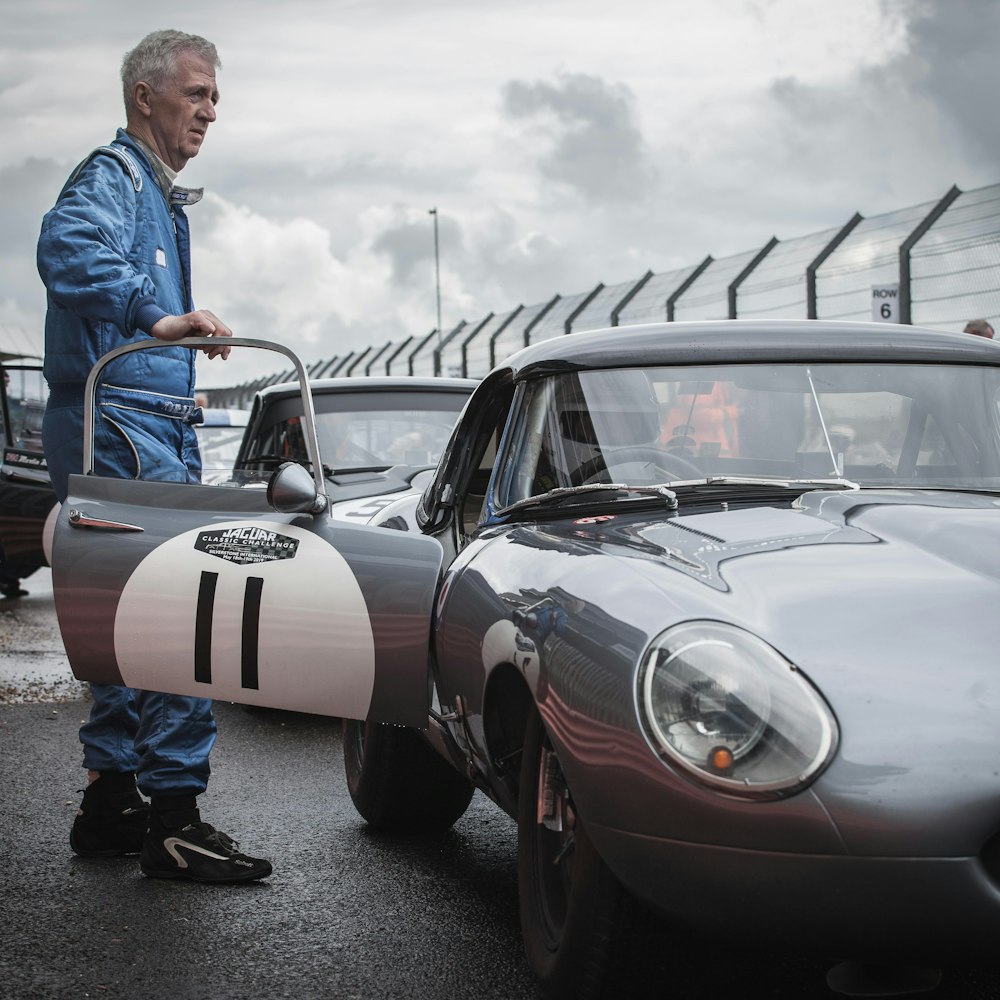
(144, 435)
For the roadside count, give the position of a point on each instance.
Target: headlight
(732, 711)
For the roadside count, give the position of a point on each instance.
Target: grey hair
(979, 327)
(154, 59)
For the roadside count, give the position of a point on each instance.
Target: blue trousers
(165, 739)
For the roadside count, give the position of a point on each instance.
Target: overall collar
(165, 177)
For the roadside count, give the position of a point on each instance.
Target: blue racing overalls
(114, 254)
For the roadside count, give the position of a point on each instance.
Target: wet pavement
(32, 660)
(346, 914)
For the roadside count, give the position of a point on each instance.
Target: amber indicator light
(721, 759)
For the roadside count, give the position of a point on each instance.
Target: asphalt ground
(346, 914)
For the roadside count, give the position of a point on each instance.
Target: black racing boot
(179, 845)
(112, 818)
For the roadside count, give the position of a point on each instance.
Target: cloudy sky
(564, 142)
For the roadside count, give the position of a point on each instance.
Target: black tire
(398, 782)
(568, 907)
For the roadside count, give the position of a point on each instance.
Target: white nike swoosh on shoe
(171, 845)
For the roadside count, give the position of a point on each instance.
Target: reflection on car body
(745, 672)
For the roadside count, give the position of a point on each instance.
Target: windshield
(359, 431)
(219, 447)
(26, 393)
(900, 425)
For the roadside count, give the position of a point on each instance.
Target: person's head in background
(979, 327)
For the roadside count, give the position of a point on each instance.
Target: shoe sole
(116, 852)
(174, 874)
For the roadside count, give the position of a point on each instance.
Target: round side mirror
(291, 490)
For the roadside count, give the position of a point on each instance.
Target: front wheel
(569, 900)
(398, 782)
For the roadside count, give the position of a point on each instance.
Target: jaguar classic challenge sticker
(247, 545)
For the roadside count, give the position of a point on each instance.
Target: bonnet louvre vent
(695, 531)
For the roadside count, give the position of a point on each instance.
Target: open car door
(240, 593)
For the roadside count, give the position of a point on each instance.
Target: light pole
(437, 272)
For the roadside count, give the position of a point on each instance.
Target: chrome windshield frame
(194, 344)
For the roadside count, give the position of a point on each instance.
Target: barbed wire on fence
(944, 256)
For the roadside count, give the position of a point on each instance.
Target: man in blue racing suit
(114, 254)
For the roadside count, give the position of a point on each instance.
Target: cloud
(952, 62)
(409, 245)
(19, 335)
(589, 133)
(281, 280)
(582, 143)
(516, 267)
(28, 190)
(271, 280)
(899, 132)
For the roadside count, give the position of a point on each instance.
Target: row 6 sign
(885, 303)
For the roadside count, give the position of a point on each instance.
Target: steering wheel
(672, 466)
(354, 455)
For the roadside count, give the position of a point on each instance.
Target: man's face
(182, 110)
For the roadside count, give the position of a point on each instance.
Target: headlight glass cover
(732, 711)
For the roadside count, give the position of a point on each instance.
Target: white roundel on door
(48, 531)
(253, 612)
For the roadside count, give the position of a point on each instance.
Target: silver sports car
(710, 609)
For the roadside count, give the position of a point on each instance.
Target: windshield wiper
(835, 482)
(667, 491)
(561, 493)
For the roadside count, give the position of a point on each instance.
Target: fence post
(376, 356)
(416, 350)
(568, 325)
(685, 285)
(468, 340)
(500, 329)
(439, 350)
(338, 368)
(734, 285)
(396, 353)
(629, 296)
(354, 364)
(905, 297)
(817, 261)
(531, 326)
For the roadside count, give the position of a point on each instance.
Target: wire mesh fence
(937, 263)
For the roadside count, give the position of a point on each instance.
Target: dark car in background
(709, 609)
(26, 497)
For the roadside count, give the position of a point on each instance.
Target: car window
(26, 393)
(358, 431)
(457, 500)
(878, 424)
(219, 447)
(483, 456)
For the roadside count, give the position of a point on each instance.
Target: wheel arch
(507, 700)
